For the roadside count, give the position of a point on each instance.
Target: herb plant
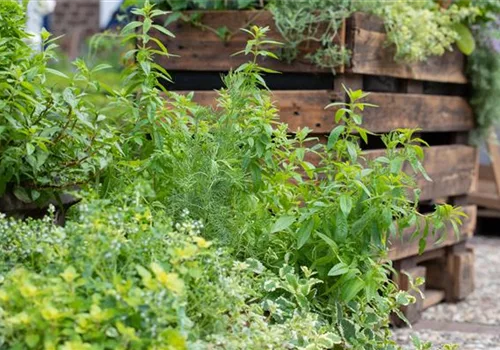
(417, 29)
(420, 29)
(272, 197)
(49, 140)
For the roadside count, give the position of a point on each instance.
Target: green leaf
(339, 114)
(334, 136)
(351, 289)
(147, 25)
(282, 223)
(32, 340)
(345, 204)
(351, 149)
(340, 226)
(339, 269)
(402, 298)
(56, 72)
(22, 194)
(466, 43)
(131, 26)
(396, 165)
(421, 245)
(163, 30)
(328, 340)
(30, 149)
(304, 232)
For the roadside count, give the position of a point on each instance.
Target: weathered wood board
(306, 108)
(201, 49)
(462, 267)
(371, 55)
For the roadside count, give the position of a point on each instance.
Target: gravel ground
(481, 308)
(466, 341)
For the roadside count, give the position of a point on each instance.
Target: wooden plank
(488, 213)
(297, 108)
(306, 108)
(403, 247)
(487, 200)
(201, 49)
(432, 297)
(462, 270)
(494, 152)
(371, 55)
(427, 112)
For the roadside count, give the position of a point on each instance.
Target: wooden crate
(431, 96)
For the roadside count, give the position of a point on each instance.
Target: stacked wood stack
(430, 95)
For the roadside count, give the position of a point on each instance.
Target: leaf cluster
(49, 140)
(483, 70)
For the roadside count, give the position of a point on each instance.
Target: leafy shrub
(48, 140)
(121, 277)
(420, 29)
(484, 74)
(312, 21)
(257, 191)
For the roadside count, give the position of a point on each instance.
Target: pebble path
(473, 324)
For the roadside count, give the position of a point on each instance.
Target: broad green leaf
(340, 226)
(304, 232)
(282, 223)
(32, 340)
(466, 43)
(22, 194)
(339, 269)
(345, 204)
(328, 340)
(351, 289)
(334, 136)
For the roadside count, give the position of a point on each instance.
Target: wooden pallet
(449, 276)
(202, 50)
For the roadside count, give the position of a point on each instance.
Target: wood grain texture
(202, 50)
(306, 108)
(433, 297)
(427, 112)
(403, 247)
(371, 55)
(462, 268)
